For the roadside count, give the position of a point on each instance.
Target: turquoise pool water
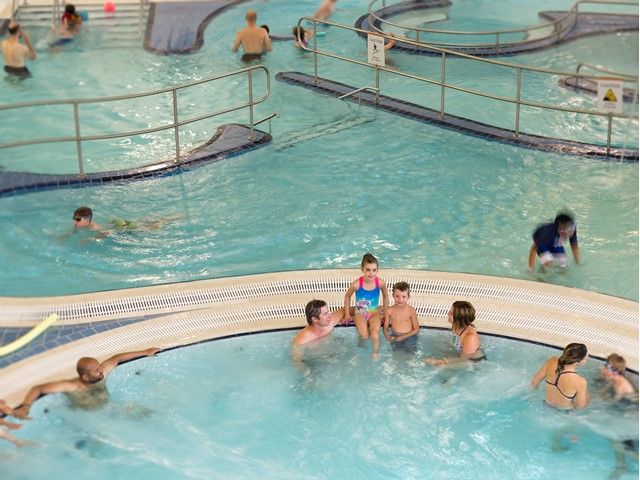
(336, 181)
(239, 408)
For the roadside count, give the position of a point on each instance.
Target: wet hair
(299, 33)
(367, 257)
(266, 27)
(401, 286)
(616, 361)
(572, 353)
(70, 8)
(251, 16)
(13, 28)
(463, 315)
(313, 309)
(83, 212)
(563, 218)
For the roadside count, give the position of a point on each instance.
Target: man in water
(88, 390)
(320, 322)
(15, 52)
(548, 240)
(254, 40)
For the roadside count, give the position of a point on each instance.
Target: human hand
(22, 412)
(435, 361)
(150, 352)
(12, 426)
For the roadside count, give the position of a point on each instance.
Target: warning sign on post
(609, 95)
(375, 50)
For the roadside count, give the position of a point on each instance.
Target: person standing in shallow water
(566, 390)
(14, 52)
(254, 40)
(548, 242)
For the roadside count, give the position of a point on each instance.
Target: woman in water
(566, 389)
(466, 339)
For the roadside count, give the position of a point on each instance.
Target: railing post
(315, 52)
(250, 73)
(609, 132)
(76, 118)
(442, 80)
(176, 133)
(417, 35)
(497, 40)
(518, 90)
(377, 84)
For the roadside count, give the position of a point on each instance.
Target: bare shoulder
(303, 336)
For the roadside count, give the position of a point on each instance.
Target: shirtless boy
(254, 40)
(618, 385)
(403, 320)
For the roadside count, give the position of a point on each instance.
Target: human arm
(347, 301)
(237, 42)
(10, 438)
(9, 425)
(31, 53)
(109, 364)
(539, 376)
(532, 257)
(61, 386)
(337, 317)
(391, 43)
(385, 295)
(470, 344)
(582, 397)
(385, 325)
(266, 41)
(576, 252)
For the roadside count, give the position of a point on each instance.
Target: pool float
(30, 335)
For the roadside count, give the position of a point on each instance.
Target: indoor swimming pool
(249, 412)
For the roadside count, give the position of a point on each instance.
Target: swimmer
(618, 386)
(369, 314)
(325, 10)
(14, 52)
(465, 336)
(320, 322)
(301, 36)
(88, 390)
(402, 319)
(548, 239)
(254, 40)
(566, 390)
(70, 22)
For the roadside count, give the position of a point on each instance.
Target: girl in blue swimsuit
(368, 315)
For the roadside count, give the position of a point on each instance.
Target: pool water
(337, 181)
(240, 408)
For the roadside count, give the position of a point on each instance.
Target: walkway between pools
(458, 124)
(587, 24)
(178, 27)
(228, 141)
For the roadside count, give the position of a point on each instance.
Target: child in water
(403, 320)
(368, 316)
(618, 385)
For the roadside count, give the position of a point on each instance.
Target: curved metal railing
(78, 138)
(558, 27)
(446, 55)
(599, 68)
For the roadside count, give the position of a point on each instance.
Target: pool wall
(173, 315)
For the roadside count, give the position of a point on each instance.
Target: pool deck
(587, 24)
(458, 124)
(228, 141)
(102, 324)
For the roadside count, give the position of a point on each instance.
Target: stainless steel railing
(78, 138)
(558, 27)
(599, 68)
(446, 54)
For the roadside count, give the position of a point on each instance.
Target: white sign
(375, 50)
(609, 95)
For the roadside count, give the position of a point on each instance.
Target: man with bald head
(88, 390)
(14, 52)
(254, 40)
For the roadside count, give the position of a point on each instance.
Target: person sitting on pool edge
(89, 389)
(466, 339)
(14, 52)
(254, 40)
(402, 319)
(548, 239)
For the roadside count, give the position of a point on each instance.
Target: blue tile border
(588, 24)
(228, 141)
(459, 124)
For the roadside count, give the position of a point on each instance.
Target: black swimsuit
(555, 384)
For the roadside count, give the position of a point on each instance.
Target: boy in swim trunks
(548, 240)
(403, 320)
(15, 52)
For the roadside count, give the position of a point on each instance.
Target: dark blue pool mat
(458, 124)
(586, 85)
(178, 27)
(228, 141)
(587, 24)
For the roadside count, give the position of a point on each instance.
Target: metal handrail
(444, 54)
(623, 76)
(175, 125)
(556, 24)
